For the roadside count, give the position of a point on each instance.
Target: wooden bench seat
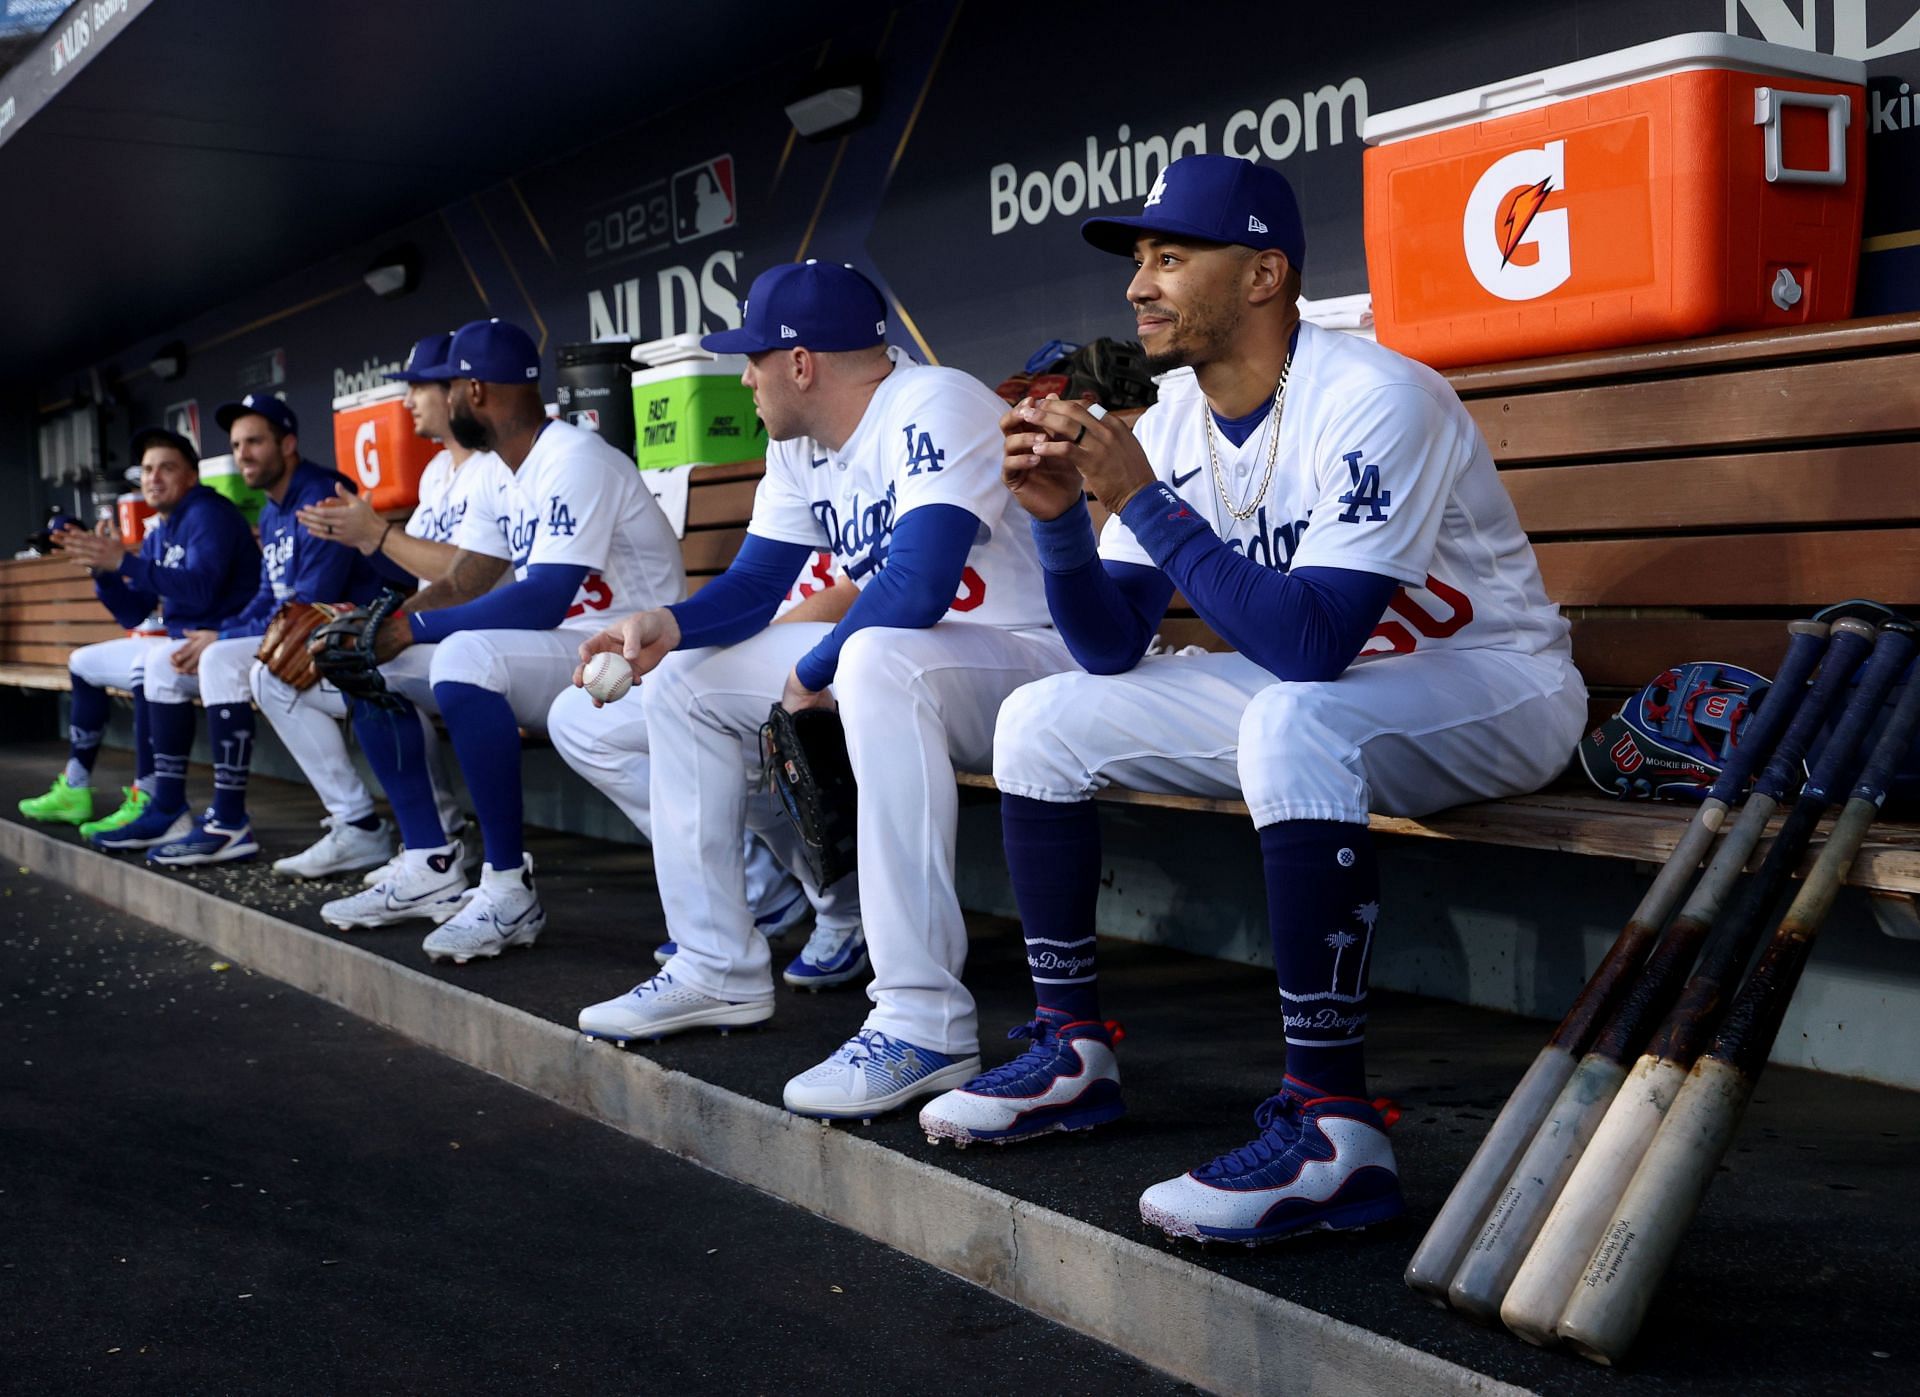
(1685, 501)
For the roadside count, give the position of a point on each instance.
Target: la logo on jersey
(921, 452)
(1366, 492)
(560, 522)
(1517, 248)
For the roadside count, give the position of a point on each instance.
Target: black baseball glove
(806, 760)
(343, 652)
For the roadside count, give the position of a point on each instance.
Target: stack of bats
(1569, 1214)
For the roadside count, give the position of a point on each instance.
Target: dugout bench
(1685, 500)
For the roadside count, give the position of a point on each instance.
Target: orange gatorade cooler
(1695, 185)
(134, 511)
(374, 442)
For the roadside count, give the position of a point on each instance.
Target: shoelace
(1044, 1034)
(857, 1049)
(1279, 1120)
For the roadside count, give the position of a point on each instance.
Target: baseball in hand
(608, 676)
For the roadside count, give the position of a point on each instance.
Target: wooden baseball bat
(1606, 1309)
(1621, 1128)
(1486, 1272)
(1461, 1217)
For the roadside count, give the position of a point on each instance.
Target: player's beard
(467, 428)
(1196, 337)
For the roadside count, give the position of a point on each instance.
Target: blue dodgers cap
(259, 404)
(493, 351)
(1217, 199)
(424, 358)
(822, 306)
(161, 436)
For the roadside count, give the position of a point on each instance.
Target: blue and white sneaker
(1068, 1080)
(496, 916)
(832, 956)
(154, 827)
(429, 883)
(874, 1072)
(1320, 1163)
(777, 922)
(206, 842)
(660, 1006)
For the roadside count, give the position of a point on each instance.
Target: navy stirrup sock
(1053, 857)
(486, 738)
(86, 726)
(172, 727)
(142, 741)
(397, 751)
(1323, 897)
(230, 730)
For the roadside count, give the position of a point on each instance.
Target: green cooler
(220, 473)
(695, 412)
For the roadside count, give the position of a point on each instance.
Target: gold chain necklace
(1246, 509)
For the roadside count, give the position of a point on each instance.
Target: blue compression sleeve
(537, 602)
(925, 559)
(1105, 612)
(741, 601)
(1307, 624)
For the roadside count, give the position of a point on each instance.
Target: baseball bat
(1461, 1217)
(1492, 1262)
(1621, 1128)
(1607, 1307)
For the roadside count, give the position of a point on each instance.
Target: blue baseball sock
(230, 731)
(172, 727)
(486, 738)
(1053, 856)
(142, 741)
(397, 751)
(1323, 897)
(86, 725)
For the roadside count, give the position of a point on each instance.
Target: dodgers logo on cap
(1211, 199)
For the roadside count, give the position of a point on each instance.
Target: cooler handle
(1768, 106)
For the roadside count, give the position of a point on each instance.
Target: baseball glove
(807, 765)
(343, 652)
(283, 649)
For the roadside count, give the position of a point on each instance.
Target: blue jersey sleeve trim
(741, 601)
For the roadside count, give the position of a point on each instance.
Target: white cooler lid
(367, 397)
(1663, 57)
(674, 349)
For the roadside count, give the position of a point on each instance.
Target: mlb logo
(184, 418)
(704, 200)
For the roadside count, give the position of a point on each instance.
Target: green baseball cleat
(61, 805)
(131, 809)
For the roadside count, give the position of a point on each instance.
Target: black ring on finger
(1083, 432)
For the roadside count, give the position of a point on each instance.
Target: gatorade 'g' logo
(1507, 213)
(366, 454)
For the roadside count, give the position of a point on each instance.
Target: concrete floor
(1798, 1276)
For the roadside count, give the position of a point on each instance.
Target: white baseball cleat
(874, 1072)
(833, 955)
(1320, 1163)
(344, 848)
(470, 855)
(501, 913)
(1068, 1080)
(426, 883)
(660, 1006)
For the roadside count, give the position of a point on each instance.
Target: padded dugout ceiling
(209, 146)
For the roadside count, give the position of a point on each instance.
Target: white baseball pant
(1401, 736)
(308, 724)
(117, 664)
(608, 747)
(221, 679)
(527, 667)
(914, 704)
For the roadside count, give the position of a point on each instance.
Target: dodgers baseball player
(892, 465)
(212, 664)
(197, 562)
(1330, 509)
(584, 537)
(455, 481)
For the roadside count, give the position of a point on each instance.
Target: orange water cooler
(1695, 185)
(374, 443)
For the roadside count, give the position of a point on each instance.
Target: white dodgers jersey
(576, 500)
(1378, 469)
(929, 436)
(448, 494)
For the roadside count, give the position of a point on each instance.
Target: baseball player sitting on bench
(213, 664)
(585, 536)
(895, 466)
(197, 563)
(607, 745)
(1331, 510)
(307, 720)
